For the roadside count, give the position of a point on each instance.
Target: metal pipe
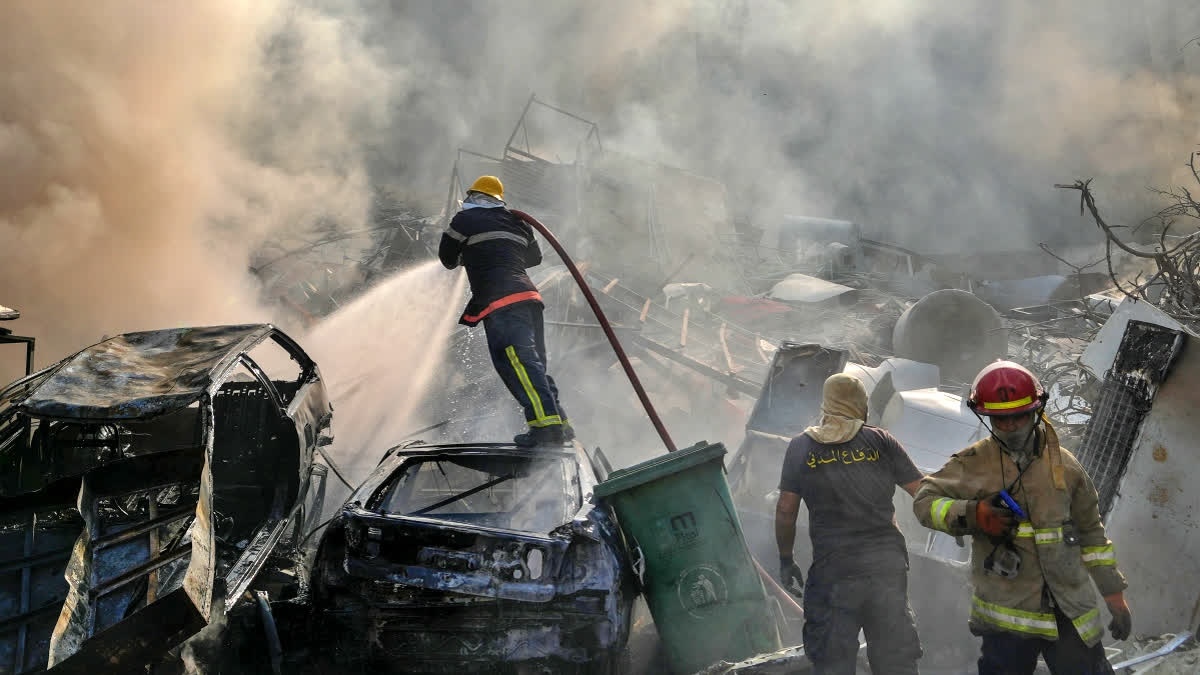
(608, 331)
(1162, 651)
(144, 527)
(274, 647)
(155, 547)
(520, 122)
(26, 587)
(110, 585)
(53, 607)
(15, 564)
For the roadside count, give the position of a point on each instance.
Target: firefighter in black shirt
(496, 247)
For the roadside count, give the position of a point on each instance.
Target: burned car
(146, 483)
(472, 558)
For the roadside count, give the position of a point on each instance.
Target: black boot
(551, 435)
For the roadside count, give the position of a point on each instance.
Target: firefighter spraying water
(495, 247)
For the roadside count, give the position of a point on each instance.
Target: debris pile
(160, 482)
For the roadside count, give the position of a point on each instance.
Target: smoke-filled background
(149, 149)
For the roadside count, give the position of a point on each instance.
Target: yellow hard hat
(488, 185)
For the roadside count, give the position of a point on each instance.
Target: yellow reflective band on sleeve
(1017, 620)
(1089, 626)
(1042, 535)
(1094, 556)
(1048, 535)
(1008, 405)
(938, 511)
(539, 413)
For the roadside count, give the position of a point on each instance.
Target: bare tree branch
(1176, 276)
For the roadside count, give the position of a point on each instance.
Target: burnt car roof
(419, 448)
(138, 375)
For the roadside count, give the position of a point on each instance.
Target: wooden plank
(758, 347)
(684, 328)
(725, 348)
(645, 311)
(735, 383)
(609, 286)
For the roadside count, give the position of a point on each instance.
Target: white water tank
(954, 330)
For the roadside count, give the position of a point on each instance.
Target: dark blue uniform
(496, 247)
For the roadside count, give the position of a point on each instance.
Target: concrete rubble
(1167, 654)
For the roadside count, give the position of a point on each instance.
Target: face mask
(1015, 441)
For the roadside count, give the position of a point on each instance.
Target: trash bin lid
(659, 467)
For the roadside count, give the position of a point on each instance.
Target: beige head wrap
(843, 409)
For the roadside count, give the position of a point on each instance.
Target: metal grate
(1141, 363)
(1109, 439)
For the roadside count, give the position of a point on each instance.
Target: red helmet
(1005, 388)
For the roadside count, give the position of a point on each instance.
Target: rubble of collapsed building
(914, 327)
(720, 314)
(310, 273)
(144, 523)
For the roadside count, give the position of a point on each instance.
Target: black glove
(790, 576)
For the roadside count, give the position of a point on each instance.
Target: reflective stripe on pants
(516, 342)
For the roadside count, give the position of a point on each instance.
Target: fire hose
(784, 597)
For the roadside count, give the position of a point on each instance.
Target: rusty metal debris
(7, 337)
(148, 481)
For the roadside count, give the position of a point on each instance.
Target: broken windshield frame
(462, 495)
(529, 493)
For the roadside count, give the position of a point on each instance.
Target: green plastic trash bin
(700, 583)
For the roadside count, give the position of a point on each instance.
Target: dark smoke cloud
(935, 125)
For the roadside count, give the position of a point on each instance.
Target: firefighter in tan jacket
(1037, 539)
